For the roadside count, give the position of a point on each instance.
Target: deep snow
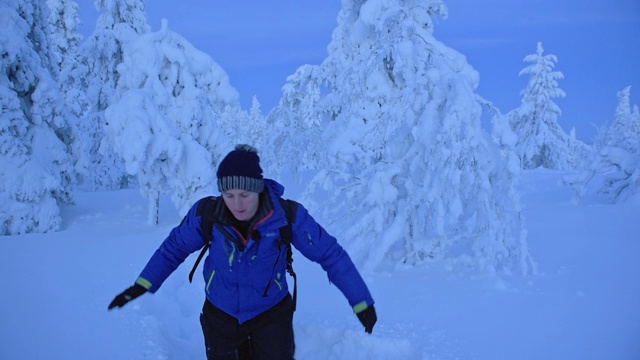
(584, 304)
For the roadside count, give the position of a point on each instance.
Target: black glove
(368, 318)
(127, 295)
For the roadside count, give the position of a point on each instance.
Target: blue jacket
(246, 280)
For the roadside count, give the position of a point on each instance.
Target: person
(248, 310)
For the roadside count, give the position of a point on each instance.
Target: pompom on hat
(241, 170)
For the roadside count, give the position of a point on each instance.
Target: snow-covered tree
(297, 124)
(625, 130)
(505, 179)
(258, 131)
(410, 176)
(242, 127)
(580, 153)
(617, 155)
(163, 119)
(36, 166)
(541, 140)
(120, 22)
(65, 39)
(92, 82)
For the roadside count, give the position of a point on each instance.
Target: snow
(583, 304)
(409, 183)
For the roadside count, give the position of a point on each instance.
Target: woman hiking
(248, 310)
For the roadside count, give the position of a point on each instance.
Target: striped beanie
(240, 169)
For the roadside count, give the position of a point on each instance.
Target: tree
(541, 140)
(92, 82)
(625, 130)
(616, 157)
(65, 39)
(243, 127)
(297, 124)
(37, 170)
(505, 197)
(410, 175)
(257, 128)
(164, 117)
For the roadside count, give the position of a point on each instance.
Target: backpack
(206, 207)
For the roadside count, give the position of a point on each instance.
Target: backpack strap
(205, 211)
(286, 234)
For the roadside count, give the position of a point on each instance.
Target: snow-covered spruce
(36, 164)
(164, 119)
(541, 140)
(409, 176)
(616, 160)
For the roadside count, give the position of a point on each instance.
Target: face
(243, 204)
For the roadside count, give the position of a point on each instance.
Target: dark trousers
(267, 336)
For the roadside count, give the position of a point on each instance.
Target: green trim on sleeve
(144, 283)
(360, 307)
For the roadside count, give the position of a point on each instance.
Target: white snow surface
(584, 304)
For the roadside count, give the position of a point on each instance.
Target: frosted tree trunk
(154, 208)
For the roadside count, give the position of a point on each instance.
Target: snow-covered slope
(584, 304)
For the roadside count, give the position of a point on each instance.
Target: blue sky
(260, 43)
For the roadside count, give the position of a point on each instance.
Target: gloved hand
(127, 295)
(368, 318)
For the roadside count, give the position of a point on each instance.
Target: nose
(236, 203)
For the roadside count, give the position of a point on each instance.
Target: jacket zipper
(273, 271)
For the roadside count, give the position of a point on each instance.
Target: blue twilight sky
(259, 43)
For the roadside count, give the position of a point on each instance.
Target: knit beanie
(240, 169)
